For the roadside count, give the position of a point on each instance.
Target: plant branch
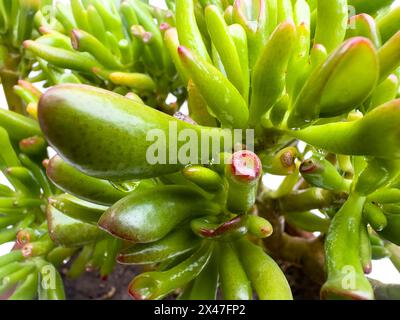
(9, 78)
(305, 253)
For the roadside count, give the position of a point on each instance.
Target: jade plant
(118, 46)
(16, 26)
(304, 90)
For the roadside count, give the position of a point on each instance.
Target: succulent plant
(40, 218)
(16, 26)
(304, 90)
(118, 46)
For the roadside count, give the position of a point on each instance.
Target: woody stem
(305, 253)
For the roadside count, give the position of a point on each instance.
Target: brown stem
(9, 78)
(303, 200)
(305, 253)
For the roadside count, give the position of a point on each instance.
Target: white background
(383, 270)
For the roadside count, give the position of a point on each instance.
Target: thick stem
(305, 253)
(9, 78)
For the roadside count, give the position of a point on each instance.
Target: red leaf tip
(246, 165)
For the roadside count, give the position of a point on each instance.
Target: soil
(303, 288)
(91, 287)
